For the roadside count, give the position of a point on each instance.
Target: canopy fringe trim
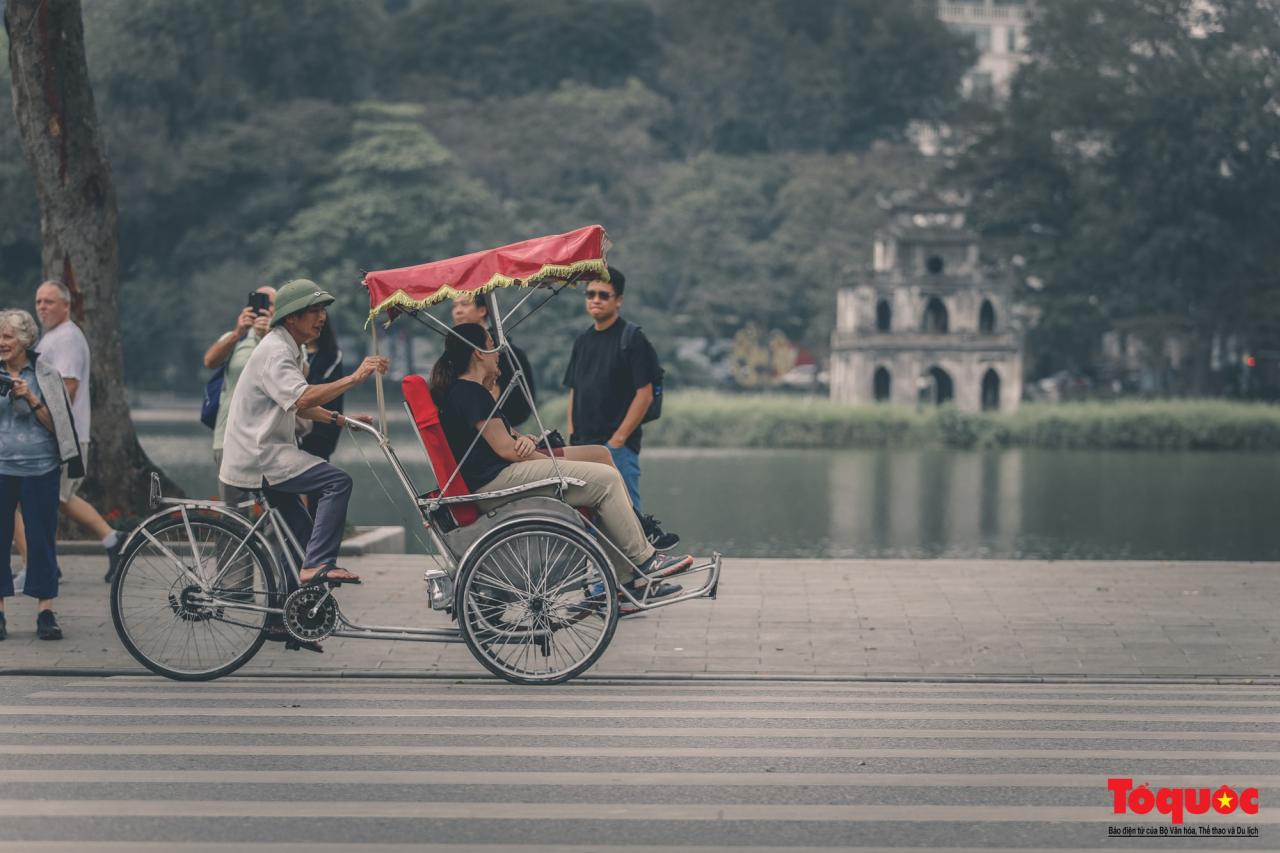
(402, 301)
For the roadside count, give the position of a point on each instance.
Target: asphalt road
(283, 764)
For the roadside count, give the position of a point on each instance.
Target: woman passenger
(504, 459)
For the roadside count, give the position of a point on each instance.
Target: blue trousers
(318, 529)
(627, 462)
(39, 498)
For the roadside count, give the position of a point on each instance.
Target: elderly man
(259, 449)
(63, 347)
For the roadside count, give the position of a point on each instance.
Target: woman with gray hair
(36, 437)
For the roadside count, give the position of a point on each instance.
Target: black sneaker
(665, 565)
(4, 629)
(658, 591)
(658, 538)
(113, 558)
(47, 627)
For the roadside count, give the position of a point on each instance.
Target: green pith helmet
(298, 295)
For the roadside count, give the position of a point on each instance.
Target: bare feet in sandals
(326, 574)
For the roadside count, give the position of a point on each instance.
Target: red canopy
(559, 257)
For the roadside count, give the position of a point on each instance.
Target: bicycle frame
(277, 541)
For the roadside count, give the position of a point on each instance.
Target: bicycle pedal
(294, 645)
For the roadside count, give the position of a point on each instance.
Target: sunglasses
(602, 295)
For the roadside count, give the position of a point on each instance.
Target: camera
(259, 302)
(6, 384)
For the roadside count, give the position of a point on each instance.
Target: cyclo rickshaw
(530, 585)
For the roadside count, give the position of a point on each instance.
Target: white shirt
(64, 348)
(259, 441)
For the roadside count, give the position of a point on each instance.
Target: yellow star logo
(1225, 800)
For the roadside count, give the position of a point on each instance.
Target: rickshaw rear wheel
(536, 603)
(162, 617)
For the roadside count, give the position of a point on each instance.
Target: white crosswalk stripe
(264, 764)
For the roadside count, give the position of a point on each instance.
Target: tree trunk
(58, 125)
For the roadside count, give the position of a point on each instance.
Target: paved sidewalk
(906, 618)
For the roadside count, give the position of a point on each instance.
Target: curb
(381, 539)
(605, 678)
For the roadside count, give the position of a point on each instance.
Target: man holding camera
(259, 449)
(234, 349)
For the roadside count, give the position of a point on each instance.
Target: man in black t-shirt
(611, 388)
(474, 308)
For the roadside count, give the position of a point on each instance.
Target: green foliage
(1137, 166)
(759, 75)
(186, 62)
(394, 196)
(706, 419)
(513, 47)
(727, 148)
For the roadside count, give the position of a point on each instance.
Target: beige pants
(604, 492)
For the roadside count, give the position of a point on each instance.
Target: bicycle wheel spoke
(525, 608)
(172, 623)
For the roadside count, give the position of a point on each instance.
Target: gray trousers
(320, 527)
(231, 495)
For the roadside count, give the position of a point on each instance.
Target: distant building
(931, 321)
(998, 28)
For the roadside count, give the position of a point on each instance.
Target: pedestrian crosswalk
(282, 764)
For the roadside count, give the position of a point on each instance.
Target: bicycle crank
(310, 614)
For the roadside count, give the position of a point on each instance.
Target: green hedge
(708, 419)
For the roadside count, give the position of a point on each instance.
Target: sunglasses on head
(602, 295)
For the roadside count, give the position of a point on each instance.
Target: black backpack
(629, 330)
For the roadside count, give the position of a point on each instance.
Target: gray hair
(22, 324)
(62, 289)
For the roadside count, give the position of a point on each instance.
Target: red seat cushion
(426, 417)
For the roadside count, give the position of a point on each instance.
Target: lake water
(886, 503)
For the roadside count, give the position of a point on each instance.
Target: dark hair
(479, 300)
(327, 343)
(458, 349)
(618, 280)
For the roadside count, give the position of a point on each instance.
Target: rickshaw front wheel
(537, 603)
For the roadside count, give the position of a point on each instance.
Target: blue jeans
(39, 497)
(627, 462)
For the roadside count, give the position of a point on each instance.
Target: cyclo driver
(260, 451)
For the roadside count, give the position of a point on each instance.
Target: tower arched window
(990, 390)
(935, 317)
(881, 385)
(987, 318)
(884, 316)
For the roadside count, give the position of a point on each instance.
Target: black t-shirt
(466, 404)
(516, 410)
(604, 382)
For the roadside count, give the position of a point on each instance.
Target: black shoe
(665, 565)
(658, 538)
(656, 590)
(4, 630)
(113, 558)
(47, 627)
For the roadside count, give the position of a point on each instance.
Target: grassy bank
(707, 419)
